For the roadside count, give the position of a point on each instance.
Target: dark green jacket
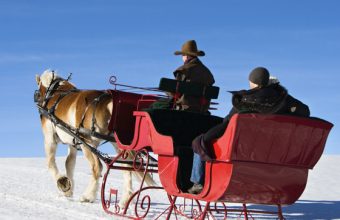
(194, 71)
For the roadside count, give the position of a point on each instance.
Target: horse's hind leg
(127, 180)
(127, 188)
(66, 183)
(92, 188)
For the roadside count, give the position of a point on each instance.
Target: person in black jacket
(265, 97)
(192, 70)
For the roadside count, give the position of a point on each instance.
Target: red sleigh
(260, 159)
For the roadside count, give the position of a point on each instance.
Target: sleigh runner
(246, 169)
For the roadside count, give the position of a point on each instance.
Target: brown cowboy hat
(190, 48)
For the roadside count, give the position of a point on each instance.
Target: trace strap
(74, 132)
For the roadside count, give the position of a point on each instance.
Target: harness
(80, 133)
(74, 132)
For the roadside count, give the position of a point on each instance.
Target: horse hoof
(85, 199)
(64, 184)
(122, 205)
(68, 193)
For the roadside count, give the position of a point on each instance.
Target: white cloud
(6, 58)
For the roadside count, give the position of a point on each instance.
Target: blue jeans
(198, 170)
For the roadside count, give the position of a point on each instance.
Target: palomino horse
(77, 109)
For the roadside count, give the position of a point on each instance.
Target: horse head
(50, 84)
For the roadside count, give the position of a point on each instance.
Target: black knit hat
(259, 76)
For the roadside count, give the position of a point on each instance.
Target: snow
(27, 191)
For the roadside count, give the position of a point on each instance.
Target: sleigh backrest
(202, 93)
(273, 139)
(188, 88)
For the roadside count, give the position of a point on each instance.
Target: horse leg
(66, 183)
(90, 193)
(127, 188)
(128, 191)
(127, 181)
(50, 150)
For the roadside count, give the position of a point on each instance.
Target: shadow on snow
(307, 209)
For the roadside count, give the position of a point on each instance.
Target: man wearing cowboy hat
(193, 70)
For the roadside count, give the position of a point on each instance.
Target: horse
(90, 109)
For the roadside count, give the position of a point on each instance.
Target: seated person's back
(263, 97)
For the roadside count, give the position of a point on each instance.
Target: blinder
(37, 96)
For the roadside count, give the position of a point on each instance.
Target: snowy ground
(28, 192)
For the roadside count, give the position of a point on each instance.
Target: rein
(77, 133)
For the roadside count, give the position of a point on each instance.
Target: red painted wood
(274, 139)
(260, 158)
(124, 104)
(146, 135)
(167, 171)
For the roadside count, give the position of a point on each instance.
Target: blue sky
(298, 41)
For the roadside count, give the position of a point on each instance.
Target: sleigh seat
(261, 159)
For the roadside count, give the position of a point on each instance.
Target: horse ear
(37, 78)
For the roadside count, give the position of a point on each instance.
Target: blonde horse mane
(48, 76)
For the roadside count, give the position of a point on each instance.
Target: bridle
(52, 87)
